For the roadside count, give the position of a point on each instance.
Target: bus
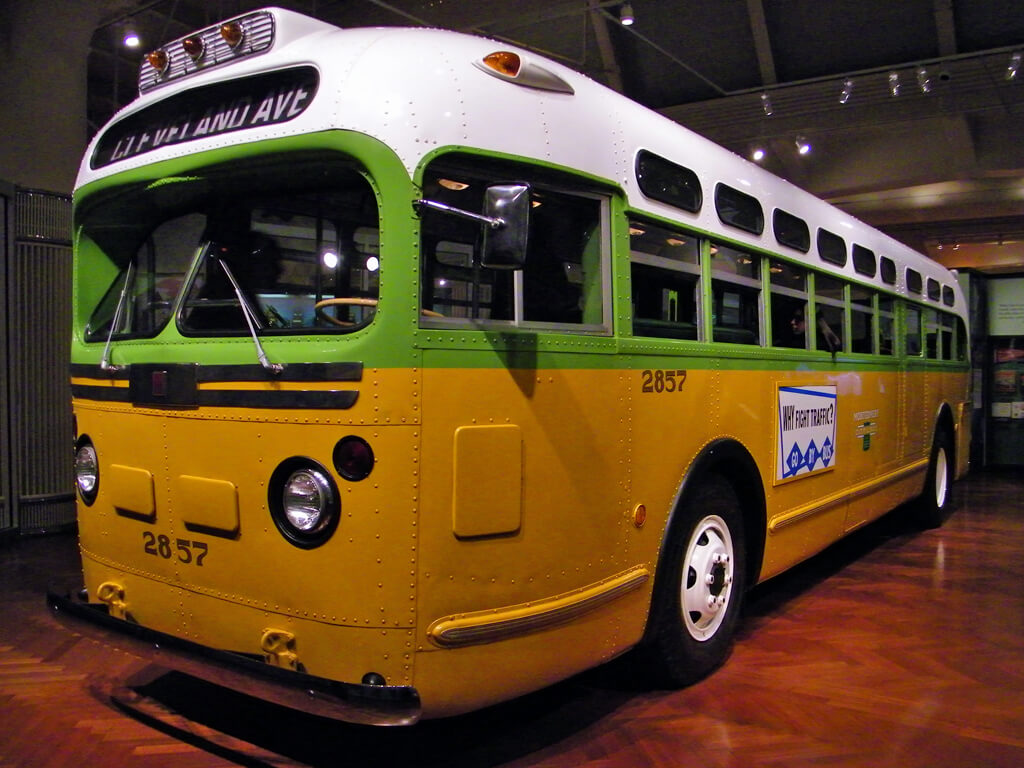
(413, 372)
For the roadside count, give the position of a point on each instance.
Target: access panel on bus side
(525, 499)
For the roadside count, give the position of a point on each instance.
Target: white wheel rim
(707, 582)
(941, 478)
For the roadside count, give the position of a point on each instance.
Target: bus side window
(736, 292)
(830, 326)
(960, 342)
(886, 325)
(862, 335)
(938, 335)
(788, 304)
(665, 270)
(913, 329)
(562, 277)
(932, 333)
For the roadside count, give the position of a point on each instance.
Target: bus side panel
(574, 528)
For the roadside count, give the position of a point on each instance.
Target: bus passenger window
(913, 329)
(788, 304)
(938, 327)
(948, 343)
(862, 336)
(562, 279)
(960, 340)
(886, 326)
(736, 292)
(830, 315)
(665, 268)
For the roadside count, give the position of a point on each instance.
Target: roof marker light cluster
(219, 44)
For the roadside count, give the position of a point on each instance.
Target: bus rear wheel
(699, 592)
(934, 501)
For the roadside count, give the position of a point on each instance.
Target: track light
(766, 104)
(847, 90)
(923, 82)
(130, 38)
(894, 83)
(1011, 70)
(803, 146)
(626, 15)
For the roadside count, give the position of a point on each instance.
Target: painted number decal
(186, 551)
(662, 381)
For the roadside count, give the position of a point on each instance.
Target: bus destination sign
(200, 113)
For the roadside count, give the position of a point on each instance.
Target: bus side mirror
(508, 206)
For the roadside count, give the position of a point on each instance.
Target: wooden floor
(894, 648)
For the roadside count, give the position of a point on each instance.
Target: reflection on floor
(894, 648)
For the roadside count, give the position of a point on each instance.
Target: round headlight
(306, 495)
(87, 470)
(304, 502)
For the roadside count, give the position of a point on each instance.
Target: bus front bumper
(349, 702)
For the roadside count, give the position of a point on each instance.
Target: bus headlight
(87, 470)
(304, 502)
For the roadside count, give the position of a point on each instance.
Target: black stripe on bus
(233, 398)
(253, 372)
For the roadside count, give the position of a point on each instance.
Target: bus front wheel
(698, 594)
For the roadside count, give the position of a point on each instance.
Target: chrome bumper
(350, 702)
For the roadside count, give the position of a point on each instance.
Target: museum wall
(43, 49)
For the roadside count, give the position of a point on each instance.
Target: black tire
(704, 561)
(934, 502)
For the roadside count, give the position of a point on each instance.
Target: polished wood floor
(894, 648)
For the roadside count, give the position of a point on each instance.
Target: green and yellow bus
(413, 372)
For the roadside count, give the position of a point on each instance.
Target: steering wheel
(357, 302)
(346, 301)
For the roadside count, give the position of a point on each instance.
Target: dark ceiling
(942, 159)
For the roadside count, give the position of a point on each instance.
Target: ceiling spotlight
(757, 155)
(847, 90)
(923, 82)
(626, 15)
(130, 38)
(1011, 70)
(894, 84)
(803, 146)
(766, 104)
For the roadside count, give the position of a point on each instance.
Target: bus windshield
(305, 259)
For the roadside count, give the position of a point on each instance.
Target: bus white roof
(419, 90)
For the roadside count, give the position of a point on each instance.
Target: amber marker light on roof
(504, 63)
(194, 47)
(513, 68)
(232, 33)
(158, 60)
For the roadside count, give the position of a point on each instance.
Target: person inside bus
(828, 339)
(793, 334)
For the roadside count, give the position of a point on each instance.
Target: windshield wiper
(105, 364)
(251, 320)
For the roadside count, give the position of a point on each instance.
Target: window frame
(489, 170)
